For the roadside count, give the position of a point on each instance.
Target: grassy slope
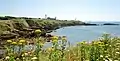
(6, 25)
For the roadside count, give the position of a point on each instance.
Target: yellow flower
(99, 43)
(37, 31)
(95, 43)
(102, 45)
(55, 38)
(50, 49)
(64, 38)
(83, 42)
(19, 43)
(22, 41)
(9, 41)
(14, 43)
(54, 41)
(41, 44)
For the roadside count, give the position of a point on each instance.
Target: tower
(45, 16)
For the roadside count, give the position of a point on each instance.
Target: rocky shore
(23, 27)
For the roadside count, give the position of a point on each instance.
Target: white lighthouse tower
(45, 16)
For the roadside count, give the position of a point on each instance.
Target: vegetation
(20, 23)
(104, 49)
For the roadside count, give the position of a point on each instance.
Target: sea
(87, 33)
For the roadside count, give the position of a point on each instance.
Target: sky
(84, 10)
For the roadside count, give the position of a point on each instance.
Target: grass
(105, 49)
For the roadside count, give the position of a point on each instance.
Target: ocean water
(88, 33)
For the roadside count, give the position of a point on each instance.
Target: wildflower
(97, 59)
(106, 56)
(106, 60)
(17, 59)
(118, 43)
(19, 43)
(9, 41)
(14, 43)
(101, 55)
(64, 38)
(34, 58)
(84, 42)
(22, 41)
(117, 52)
(74, 54)
(37, 31)
(110, 45)
(29, 52)
(110, 59)
(106, 44)
(41, 44)
(54, 41)
(7, 57)
(105, 51)
(117, 49)
(99, 43)
(23, 57)
(55, 38)
(50, 49)
(68, 50)
(95, 43)
(25, 54)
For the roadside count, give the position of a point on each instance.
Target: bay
(79, 33)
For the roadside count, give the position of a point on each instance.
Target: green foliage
(106, 48)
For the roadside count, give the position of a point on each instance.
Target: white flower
(26, 54)
(117, 48)
(7, 57)
(23, 57)
(115, 60)
(101, 55)
(117, 52)
(106, 60)
(110, 59)
(106, 56)
(17, 58)
(68, 50)
(59, 45)
(117, 43)
(34, 58)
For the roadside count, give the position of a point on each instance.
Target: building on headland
(45, 16)
(51, 18)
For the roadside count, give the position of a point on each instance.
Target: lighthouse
(45, 16)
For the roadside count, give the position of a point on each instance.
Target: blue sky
(84, 10)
